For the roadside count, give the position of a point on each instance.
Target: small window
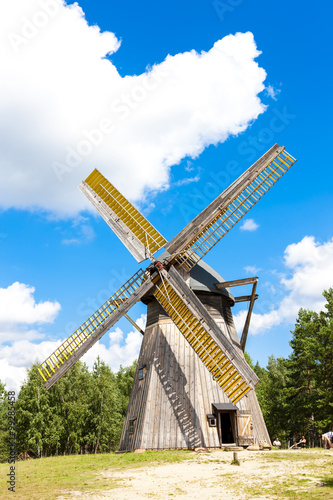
(142, 371)
(131, 425)
(211, 420)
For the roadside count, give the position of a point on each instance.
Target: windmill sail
(207, 229)
(132, 228)
(94, 328)
(220, 357)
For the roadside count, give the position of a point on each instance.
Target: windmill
(192, 385)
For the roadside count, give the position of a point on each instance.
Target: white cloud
(84, 232)
(189, 167)
(12, 376)
(58, 90)
(148, 208)
(13, 332)
(18, 310)
(269, 287)
(18, 305)
(122, 349)
(272, 92)
(312, 264)
(187, 180)
(310, 267)
(252, 269)
(16, 358)
(249, 225)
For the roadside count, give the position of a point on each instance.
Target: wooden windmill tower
(192, 386)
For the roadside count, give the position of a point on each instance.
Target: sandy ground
(209, 475)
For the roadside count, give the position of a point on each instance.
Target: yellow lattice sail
(52, 364)
(230, 213)
(127, 213)
(201, 341)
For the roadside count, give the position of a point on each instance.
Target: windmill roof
(203, 278)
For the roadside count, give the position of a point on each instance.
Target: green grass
(306, 455)
(308, 481)
(308, 474)
(45, 478)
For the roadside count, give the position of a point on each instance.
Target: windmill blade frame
(190, 316)
(72, 349)
(193, 242)
(135, 231)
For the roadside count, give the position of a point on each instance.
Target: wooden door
(245, 429)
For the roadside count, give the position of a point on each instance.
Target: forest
(85, 410)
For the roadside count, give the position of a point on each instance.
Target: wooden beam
(244, 298)
(131, 242)
(244, 281)
(134, 324)
(197, 225)
(248, 317)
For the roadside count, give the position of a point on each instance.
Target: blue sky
(195, 121)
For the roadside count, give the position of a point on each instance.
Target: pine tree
(273, 393)
(70, 401)
(302, 389)
(34, 415)
(4, 429)
(125, 377)
(324, 365)
(105, 410)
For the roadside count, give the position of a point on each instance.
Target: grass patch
(328, 481)
(307, 480)
(302, 476)
(277, 475)
(291, 456)
(45, 478)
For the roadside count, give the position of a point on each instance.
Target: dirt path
(211, 475)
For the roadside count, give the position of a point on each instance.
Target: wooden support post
(244, 298)
(243, 281)
(134, 324)
(248, 317)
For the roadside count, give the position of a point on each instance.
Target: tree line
(84, 411)
(296, 393)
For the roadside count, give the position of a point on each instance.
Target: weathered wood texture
(171, 403)
(126, 236)
(243, 281)
(245, 298)
(248, 317)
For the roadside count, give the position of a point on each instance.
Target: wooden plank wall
(172, 402)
